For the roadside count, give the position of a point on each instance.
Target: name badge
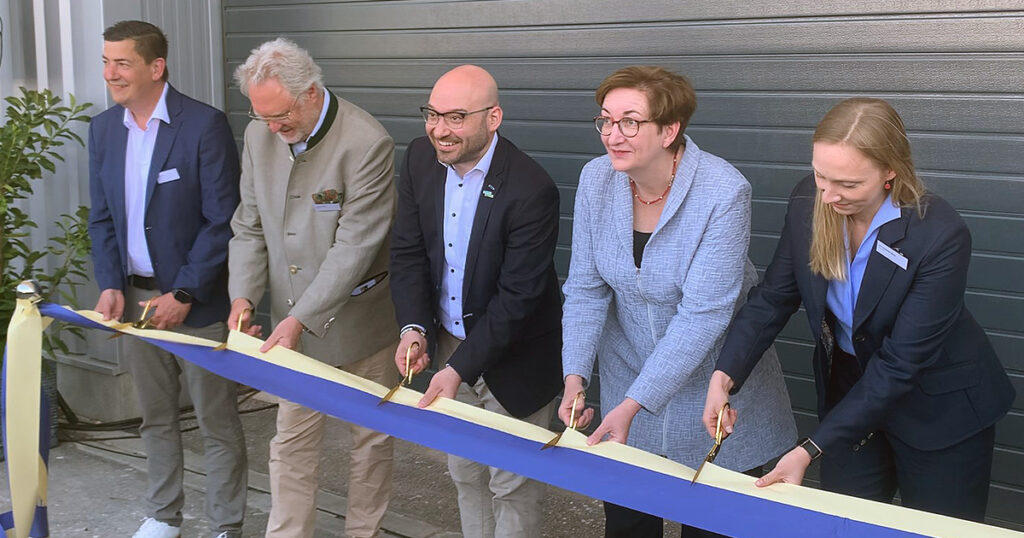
(327, 207)
(168, 175)
(891, 254)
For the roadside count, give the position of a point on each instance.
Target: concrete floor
(96, 488)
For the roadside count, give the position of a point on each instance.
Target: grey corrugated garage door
(765, 74)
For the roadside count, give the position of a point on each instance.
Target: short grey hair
(283, 60)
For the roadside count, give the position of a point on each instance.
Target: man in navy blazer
(472, 270)
(163, 179)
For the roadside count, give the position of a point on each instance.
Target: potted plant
(36, 126)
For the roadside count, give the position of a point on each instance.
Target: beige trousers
(295, 463)
(493, 502)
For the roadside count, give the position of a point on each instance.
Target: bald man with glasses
(473, 275)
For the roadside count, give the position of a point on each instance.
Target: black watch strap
(810, 446)
(182, 296)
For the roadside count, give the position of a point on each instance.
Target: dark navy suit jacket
(930, 377)
(512, 307)
(187, 219)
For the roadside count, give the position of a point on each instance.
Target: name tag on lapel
(891, 254)
(327, 207)
(168, 175)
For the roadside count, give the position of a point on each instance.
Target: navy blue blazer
(930, 376)
(512, 308)
(187, 219)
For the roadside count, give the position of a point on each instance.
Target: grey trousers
(493, 502)
(155, 373)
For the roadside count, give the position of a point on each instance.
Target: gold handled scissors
(572, 421)
(141, 324)
(224, 345)
(713, 453)
(408, 374)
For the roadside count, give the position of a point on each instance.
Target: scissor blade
(390, 393)
(554, 441)
(699, 469)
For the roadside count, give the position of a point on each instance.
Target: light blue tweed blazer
(657, 331)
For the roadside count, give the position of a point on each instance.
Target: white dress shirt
(461, 195)
(137, 157)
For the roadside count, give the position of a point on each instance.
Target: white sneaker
(152, 528)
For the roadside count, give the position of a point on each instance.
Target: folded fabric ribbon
(723, 501)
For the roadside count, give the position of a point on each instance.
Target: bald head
(466, 116)
(471, 85)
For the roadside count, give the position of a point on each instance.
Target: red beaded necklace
(671, 178)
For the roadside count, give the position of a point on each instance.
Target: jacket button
(291, 302)
(863, 442)
(329, 323)
(859, 337)
(856, 448)
(293, 269)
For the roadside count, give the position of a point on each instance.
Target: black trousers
(622, 522)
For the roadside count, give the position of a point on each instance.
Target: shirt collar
(323, 114)
(484, 164)
(886, 213)
(159, 113)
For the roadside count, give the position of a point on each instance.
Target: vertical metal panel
(765, 74)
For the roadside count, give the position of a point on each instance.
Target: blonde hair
(874, 128)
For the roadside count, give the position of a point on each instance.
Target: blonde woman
(909, 387)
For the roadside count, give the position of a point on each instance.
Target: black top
(640, 240)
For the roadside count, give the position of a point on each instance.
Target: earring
(888, 185)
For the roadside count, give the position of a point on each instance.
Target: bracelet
(416, 328)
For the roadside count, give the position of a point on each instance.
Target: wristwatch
(182, 296)
(807, 444)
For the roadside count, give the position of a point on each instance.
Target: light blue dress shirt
(842, 294)
(461, 196)
(137, 156)
(301, 145)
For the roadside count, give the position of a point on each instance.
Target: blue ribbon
(619, 482)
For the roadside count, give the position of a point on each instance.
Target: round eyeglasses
(629, 127)
(452, 119)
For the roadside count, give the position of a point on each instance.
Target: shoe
(152, 528)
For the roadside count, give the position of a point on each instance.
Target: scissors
(572, 421)
(713, 453)
(408, 374)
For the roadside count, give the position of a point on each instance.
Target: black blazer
(511, 303)
(930, 376)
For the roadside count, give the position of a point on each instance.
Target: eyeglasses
(278, 118)
(629, 127)
(451, 119)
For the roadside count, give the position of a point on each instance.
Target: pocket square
(168, 175)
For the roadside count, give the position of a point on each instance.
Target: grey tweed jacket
(657, 331)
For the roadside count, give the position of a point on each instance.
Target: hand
(168, 313)
(584, 414)
(110, 304)
(615, 426)
(444, 384)
(286, 335)
(718, 396)
(419, 359)
(242, 308)
(790, 469)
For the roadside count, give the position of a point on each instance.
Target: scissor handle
(572, 412)
(142, 319)
(240, 316)
(408, 362)
(719, 432)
